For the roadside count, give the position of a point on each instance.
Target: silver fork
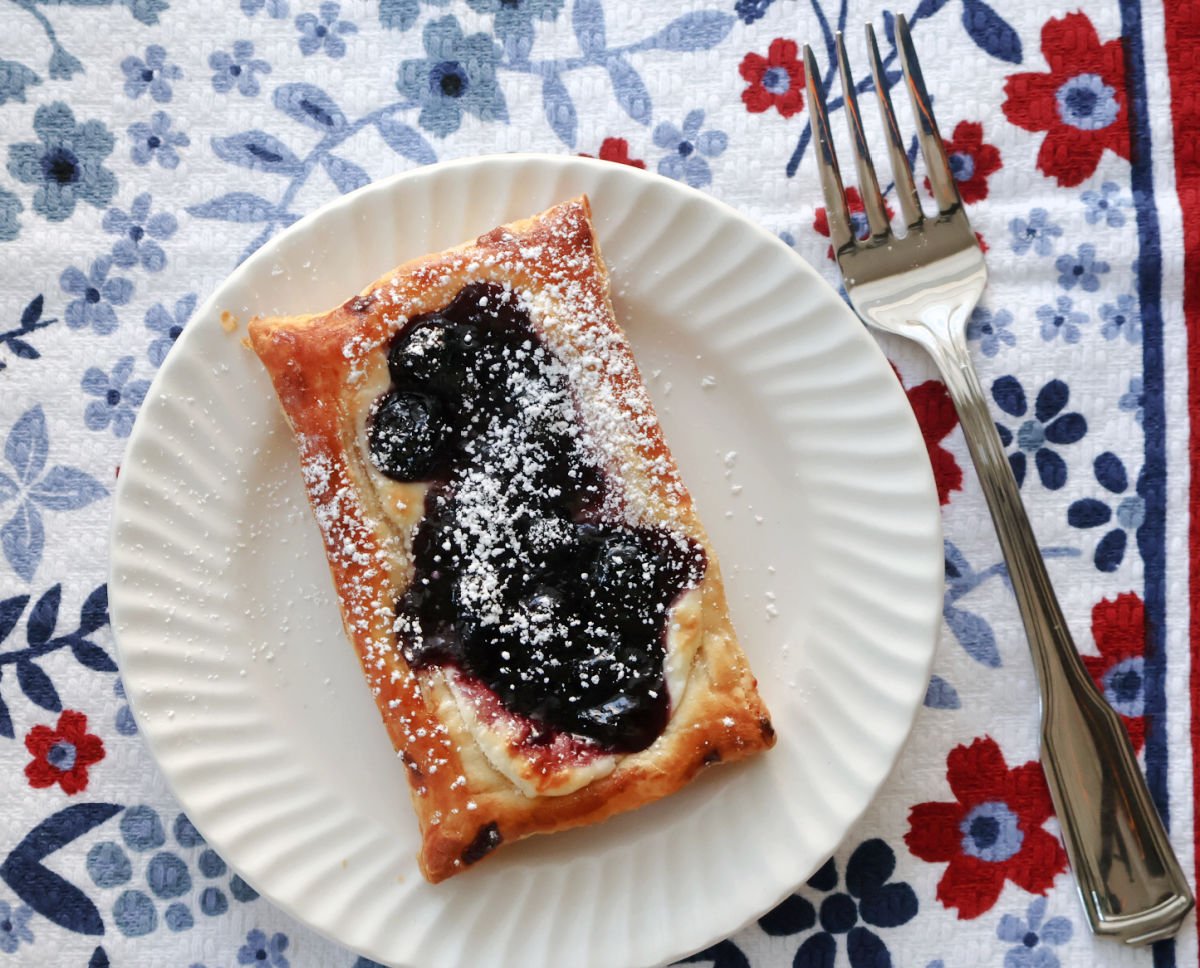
(923, 285)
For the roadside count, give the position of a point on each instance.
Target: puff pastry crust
(476, 780)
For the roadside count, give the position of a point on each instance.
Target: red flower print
(776, 81)
(62, 755)
(972, 161)
(1119, 628)
(1080, 104)
(616, 150)
(937, 417)
(858, 217)
(993, 832)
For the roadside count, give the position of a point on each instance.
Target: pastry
(537, 609)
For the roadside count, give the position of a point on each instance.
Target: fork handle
(1128, 877)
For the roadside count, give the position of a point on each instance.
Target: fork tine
(906, 190)
(831, 178)
(944, 190)
(868, 184)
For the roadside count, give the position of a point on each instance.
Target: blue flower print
(136, 232)
(991, 329)
(1106, 204)
(276, 9)
(259, 951)
(688, 148)
(151, 74)
(1130, 512)
(1082, 269)
(14, 927)
(156, 141)
(1033, 937)
(118, 399)
(1061, 319)
(1122, 318)
(1134, 399)
(459, 74)
(237, 69)
(868, 898)
(324, 32)
(96, 295)
(34, 489)
(513, 23)
(168, 325)
(1037, 233)
(1047, 428)
(67, 165)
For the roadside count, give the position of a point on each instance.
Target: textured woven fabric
(149, 145)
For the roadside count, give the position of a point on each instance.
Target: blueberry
(437, 644)
(434, 355)
(489, 307)
(406, 436)
(543, 608)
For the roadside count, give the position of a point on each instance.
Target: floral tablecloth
(149, 145)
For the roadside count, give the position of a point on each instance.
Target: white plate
(253, 702)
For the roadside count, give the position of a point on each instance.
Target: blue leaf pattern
(93, 614)
(258, 151)
(92, 656)
(587, 20)
(237, 207)
(52, 896)
(44, 616)
(346, 175)
(10, 613)
(974, 634)
(560, 109)
(406, 141)
(991, 32)
(14, 78)
(66, 489)
(698, 30)
(941, 695)
(28, 445)
(630, 90)
(310, 106)
(37, 687)
(23, 539)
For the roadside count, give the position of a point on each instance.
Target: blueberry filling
(519, 581)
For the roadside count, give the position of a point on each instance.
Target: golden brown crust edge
(463, 806)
